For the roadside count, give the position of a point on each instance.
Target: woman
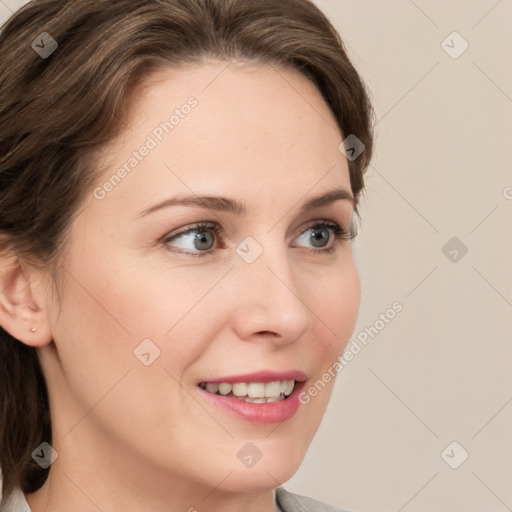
(178, 185)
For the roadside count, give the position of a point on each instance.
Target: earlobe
(22, 307)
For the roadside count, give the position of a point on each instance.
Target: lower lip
(270, 412)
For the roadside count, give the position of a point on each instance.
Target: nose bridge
(270, 300)
(268, 263)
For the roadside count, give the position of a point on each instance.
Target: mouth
(261, 397)
(252, 392)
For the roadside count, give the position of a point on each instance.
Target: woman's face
(151, 307)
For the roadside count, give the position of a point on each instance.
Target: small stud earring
(33, 329)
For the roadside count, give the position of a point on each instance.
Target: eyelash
(340, 235)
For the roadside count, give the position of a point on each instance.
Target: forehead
(226, 127)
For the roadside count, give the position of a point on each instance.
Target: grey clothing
(16, 503)
(291, 502)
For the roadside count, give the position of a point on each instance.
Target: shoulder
(291, 502)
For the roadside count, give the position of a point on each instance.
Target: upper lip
(261, 376)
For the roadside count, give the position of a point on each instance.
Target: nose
(271, 304)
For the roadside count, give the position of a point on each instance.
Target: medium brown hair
(57, 111)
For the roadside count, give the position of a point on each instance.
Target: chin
(260, 479)
(275, 466)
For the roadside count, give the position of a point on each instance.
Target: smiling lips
(257, 388)
(253, 392)
(262, 397)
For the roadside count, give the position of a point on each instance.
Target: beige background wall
(440, 371)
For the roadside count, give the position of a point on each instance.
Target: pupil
(319, 236)
(202, 238)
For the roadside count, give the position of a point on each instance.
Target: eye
(319, 234)
(199, 240)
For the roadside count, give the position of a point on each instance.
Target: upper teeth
(252, 389)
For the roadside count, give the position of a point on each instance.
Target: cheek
(349, 298)
(337, 309)
(126, 304)
(336, 312)
(92, 339)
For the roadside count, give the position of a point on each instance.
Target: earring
(33, 329)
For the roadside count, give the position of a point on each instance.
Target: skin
(132, 437)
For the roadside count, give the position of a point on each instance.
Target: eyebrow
(224, 204)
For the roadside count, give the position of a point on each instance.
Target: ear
(23, 303)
